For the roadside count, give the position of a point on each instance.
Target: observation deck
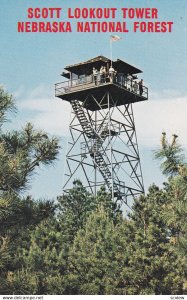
(123, 86)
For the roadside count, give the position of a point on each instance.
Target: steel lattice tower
(103, 147)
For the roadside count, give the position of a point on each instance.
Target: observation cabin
(96, 77)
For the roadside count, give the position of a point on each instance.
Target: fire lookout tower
(103, 148)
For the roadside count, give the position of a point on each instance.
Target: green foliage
(16, 230)
(83, 244)
(154, 266)
(170, 155)
(6, 104)
(175, 210)
(26, 210)
(21, 282)
(134, 256)
(5, 259)
(112, 208)
(51, 241)
(21, 152)
(76, 206)
(46, 255)
(92, 264)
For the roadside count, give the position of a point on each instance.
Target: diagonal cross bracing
(109, 153)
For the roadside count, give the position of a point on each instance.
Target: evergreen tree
(76, 206)
(112, 208)
(74, 209)
(93, 264)
(153, 267)
(174, 164)
(46, 259)
(171, 156)
(133, 257)
(47, 256)
(21, 152)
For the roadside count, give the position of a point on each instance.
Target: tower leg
(103, 150)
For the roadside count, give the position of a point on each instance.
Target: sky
(31, 63)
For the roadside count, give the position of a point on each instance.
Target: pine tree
(153, 267)
(113, 209)
(171, 156)
(76, 206)
(21, 152)
(175, 165)
(46, 258)
(93, 266)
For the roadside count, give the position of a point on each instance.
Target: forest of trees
(81, 244)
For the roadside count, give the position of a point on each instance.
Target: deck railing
(86, 82)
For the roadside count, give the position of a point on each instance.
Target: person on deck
(135, 87)
(104, 74)
(101, 72)
(112, 74)
(95, 75)
(140, 87)
(129, 82)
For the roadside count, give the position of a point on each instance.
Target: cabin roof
(86, 67)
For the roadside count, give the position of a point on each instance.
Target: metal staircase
(100, 162)
(97, 139)
(82, 118)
